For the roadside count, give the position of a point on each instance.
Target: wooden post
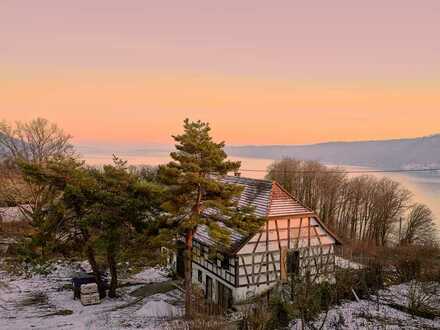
(320, 247)
(188, 273)
(283, 265)
(253, 256)
(299, 233)
(245, 270)
(308, 244)
(237, 270)
(267, 251)
(278, 235)
(253, 268)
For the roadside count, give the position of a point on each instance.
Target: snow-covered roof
(256, 193)
(235, 238)
(13, 214)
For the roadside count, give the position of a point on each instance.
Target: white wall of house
(303, 234)
(293, 233)
(239, 294)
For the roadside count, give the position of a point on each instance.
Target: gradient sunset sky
(261, 72)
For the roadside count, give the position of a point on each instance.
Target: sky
(261, 72)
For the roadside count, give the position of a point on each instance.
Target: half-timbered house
(292, 240)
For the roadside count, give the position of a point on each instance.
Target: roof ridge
(247, 178)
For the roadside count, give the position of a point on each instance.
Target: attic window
(225, 262)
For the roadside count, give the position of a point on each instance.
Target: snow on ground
(159, 308)
(150, 275)
(368, 315)
(376, 313)
(347, 264)
(65, 270)
(427, 293)
(46, 302)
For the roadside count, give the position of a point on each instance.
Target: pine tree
(192, 177)
(122, 203)
(68, 215)
(99, 209)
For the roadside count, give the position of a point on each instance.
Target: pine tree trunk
(113, 272)
(188, 259)
(188, 273)
(92, 260)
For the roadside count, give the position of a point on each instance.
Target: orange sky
(258, 74)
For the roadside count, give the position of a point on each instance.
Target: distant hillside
(421, 152)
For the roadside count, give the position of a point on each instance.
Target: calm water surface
(424, 186)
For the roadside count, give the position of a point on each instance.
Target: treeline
(362, 208)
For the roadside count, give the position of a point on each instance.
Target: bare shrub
(255, 316)
(200, 323)
(419, 227)
(407, 263)
(422, 299)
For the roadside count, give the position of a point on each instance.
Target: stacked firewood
(89, 294)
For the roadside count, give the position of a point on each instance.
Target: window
(293, 262)
(199, 276)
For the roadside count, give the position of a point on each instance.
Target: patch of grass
(426, 313)
(37, 298)
(61, 312)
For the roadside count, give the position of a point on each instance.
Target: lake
(425, 186)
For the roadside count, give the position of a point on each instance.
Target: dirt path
(146, 291)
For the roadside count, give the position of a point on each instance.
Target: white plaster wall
(283, 234)
(239, 294)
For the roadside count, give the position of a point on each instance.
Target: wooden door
(224, 295)
(180, 262)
